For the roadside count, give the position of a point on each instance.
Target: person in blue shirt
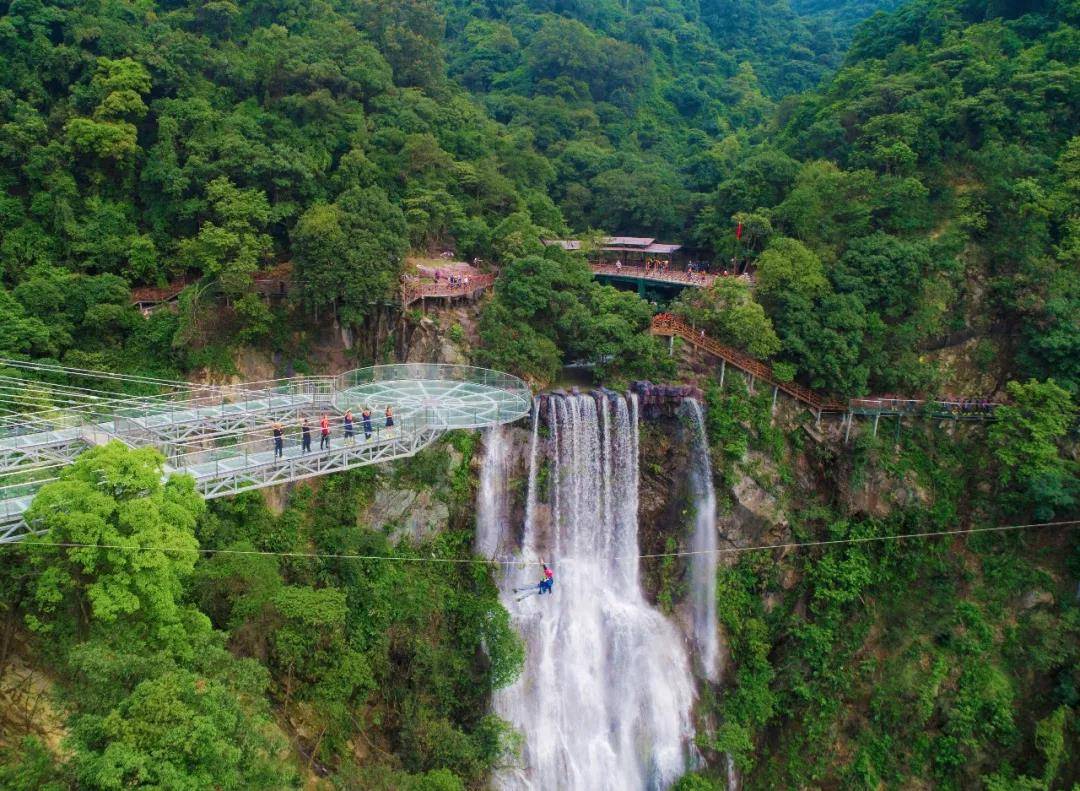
(543, 586)
(348, 427)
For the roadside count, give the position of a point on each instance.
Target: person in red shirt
(324, 439)
(549, 579)
(540, 588)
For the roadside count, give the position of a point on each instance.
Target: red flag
(738, 232)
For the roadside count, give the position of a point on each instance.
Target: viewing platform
(442, 278)
(640, 275)
(223, 435)
(413, 290)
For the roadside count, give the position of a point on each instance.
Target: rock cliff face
(414, 507)
(28, 701)
(429, 344)
(757, 495)
(416, 514)
(751, 501)
(442, 336)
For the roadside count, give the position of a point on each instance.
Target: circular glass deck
(439, 396)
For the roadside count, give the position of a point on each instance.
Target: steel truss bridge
(223, 435)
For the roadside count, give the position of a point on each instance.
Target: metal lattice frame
(221, 435)
(299, 467)
(208, 426)
(45, 451)
(16, 531)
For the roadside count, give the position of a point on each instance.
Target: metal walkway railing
(224, 436)
(669, 324)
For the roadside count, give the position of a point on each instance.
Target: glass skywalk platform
(223, 437)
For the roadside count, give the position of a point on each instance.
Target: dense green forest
(908, 184)
(142, 143)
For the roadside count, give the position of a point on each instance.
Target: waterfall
(492, 506)
(530, 497)
(605, 696)
(703, 562)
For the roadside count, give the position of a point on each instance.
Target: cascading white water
(703, 561)
(604, 700)
(492, 506)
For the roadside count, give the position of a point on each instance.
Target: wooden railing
(412, 290)
(151, 295)
(967, 408)
(677, 277)
(669, 324)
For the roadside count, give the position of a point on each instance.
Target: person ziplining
(543, 586)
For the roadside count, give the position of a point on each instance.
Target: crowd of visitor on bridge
(326, 425)
(696, 271)
(658, 267)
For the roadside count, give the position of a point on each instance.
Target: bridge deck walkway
(226, 440)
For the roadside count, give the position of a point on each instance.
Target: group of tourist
(453, 279)
(695, 272)
(348, 424)
(657, 267)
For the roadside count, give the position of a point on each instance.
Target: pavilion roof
(620, 244)
(656, 247)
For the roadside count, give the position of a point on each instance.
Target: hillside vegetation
(908, 187)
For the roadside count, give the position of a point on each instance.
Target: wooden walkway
(150, 298)
(411, 290)
(669, 325)
(674, 278)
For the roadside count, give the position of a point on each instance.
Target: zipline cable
(86, 373)
(89, 373)
(477, 561)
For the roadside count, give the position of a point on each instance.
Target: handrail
(670, 324)
(703, 279)
(410, 292)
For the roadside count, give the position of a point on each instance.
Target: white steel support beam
(221, 439)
